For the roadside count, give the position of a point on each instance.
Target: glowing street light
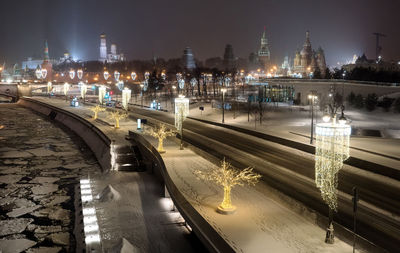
(332, 148)
(83, 87)
(79, 73)
(126, 97)
(141, 93)
(102, 93)
(313, 96)
(66, 88)
(106, 75)
(49, 87)
(181, 112)
(223, 104)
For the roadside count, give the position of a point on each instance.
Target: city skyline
(75, 27)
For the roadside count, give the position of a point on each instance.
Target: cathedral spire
(46, 52)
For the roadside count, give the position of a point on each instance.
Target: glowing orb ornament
(133, 75)
(146, 75)
(106, 75)
(79, 73)
(227, 81)
(126, 97)
(116, 75)
(44, 73)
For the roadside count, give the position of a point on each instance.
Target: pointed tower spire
(46, 52)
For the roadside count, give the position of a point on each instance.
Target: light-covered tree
(117, 116)
(228, 177)
(96, 110)
(161, 133)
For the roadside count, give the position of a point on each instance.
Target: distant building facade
(377, 65)
(229, 58)
(188, 59)
(307, 61)
(113, 56)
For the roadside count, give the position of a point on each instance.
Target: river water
(40, 165)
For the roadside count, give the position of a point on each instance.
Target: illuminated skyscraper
(103, 48)
(188, 59)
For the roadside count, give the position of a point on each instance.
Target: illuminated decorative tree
(332, 148)
(161, 133)
(117, 116)
(228, 177)
(96, 110)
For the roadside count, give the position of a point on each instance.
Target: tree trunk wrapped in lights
(96, 110)
(117, 116)
(228, 177)
(161, 133)
(332, 148)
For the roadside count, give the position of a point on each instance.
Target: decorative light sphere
(326, 118)
(106, 75)
(133, 75)
(79, 73)
(38, 73)
(72, 74)
(116, 75)
(44, 73)
(146, 75)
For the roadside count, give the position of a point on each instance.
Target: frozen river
(40, 164)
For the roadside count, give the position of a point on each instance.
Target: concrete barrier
(97, 141)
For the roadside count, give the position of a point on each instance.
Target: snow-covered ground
(262, 222)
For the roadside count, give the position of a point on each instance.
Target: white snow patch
(124, 246)
(108, 194)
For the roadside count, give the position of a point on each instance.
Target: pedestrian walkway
(262, 222)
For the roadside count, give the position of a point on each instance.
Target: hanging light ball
(133, 75)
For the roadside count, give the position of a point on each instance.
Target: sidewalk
(262, 222)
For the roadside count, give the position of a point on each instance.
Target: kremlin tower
(47, 64)
(264, 53)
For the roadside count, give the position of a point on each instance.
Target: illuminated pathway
(265, 219)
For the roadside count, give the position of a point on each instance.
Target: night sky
(164, 27)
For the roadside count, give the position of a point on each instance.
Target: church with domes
(307, 61)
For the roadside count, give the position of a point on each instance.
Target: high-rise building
(188, 59)
(229, 58)
(103, 48)
(264, 55)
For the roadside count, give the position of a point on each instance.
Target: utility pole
(378, 47)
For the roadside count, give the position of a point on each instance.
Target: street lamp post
(332, 148)
(312, 97)
(141, 94)
(181, 112)
(223, 104)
